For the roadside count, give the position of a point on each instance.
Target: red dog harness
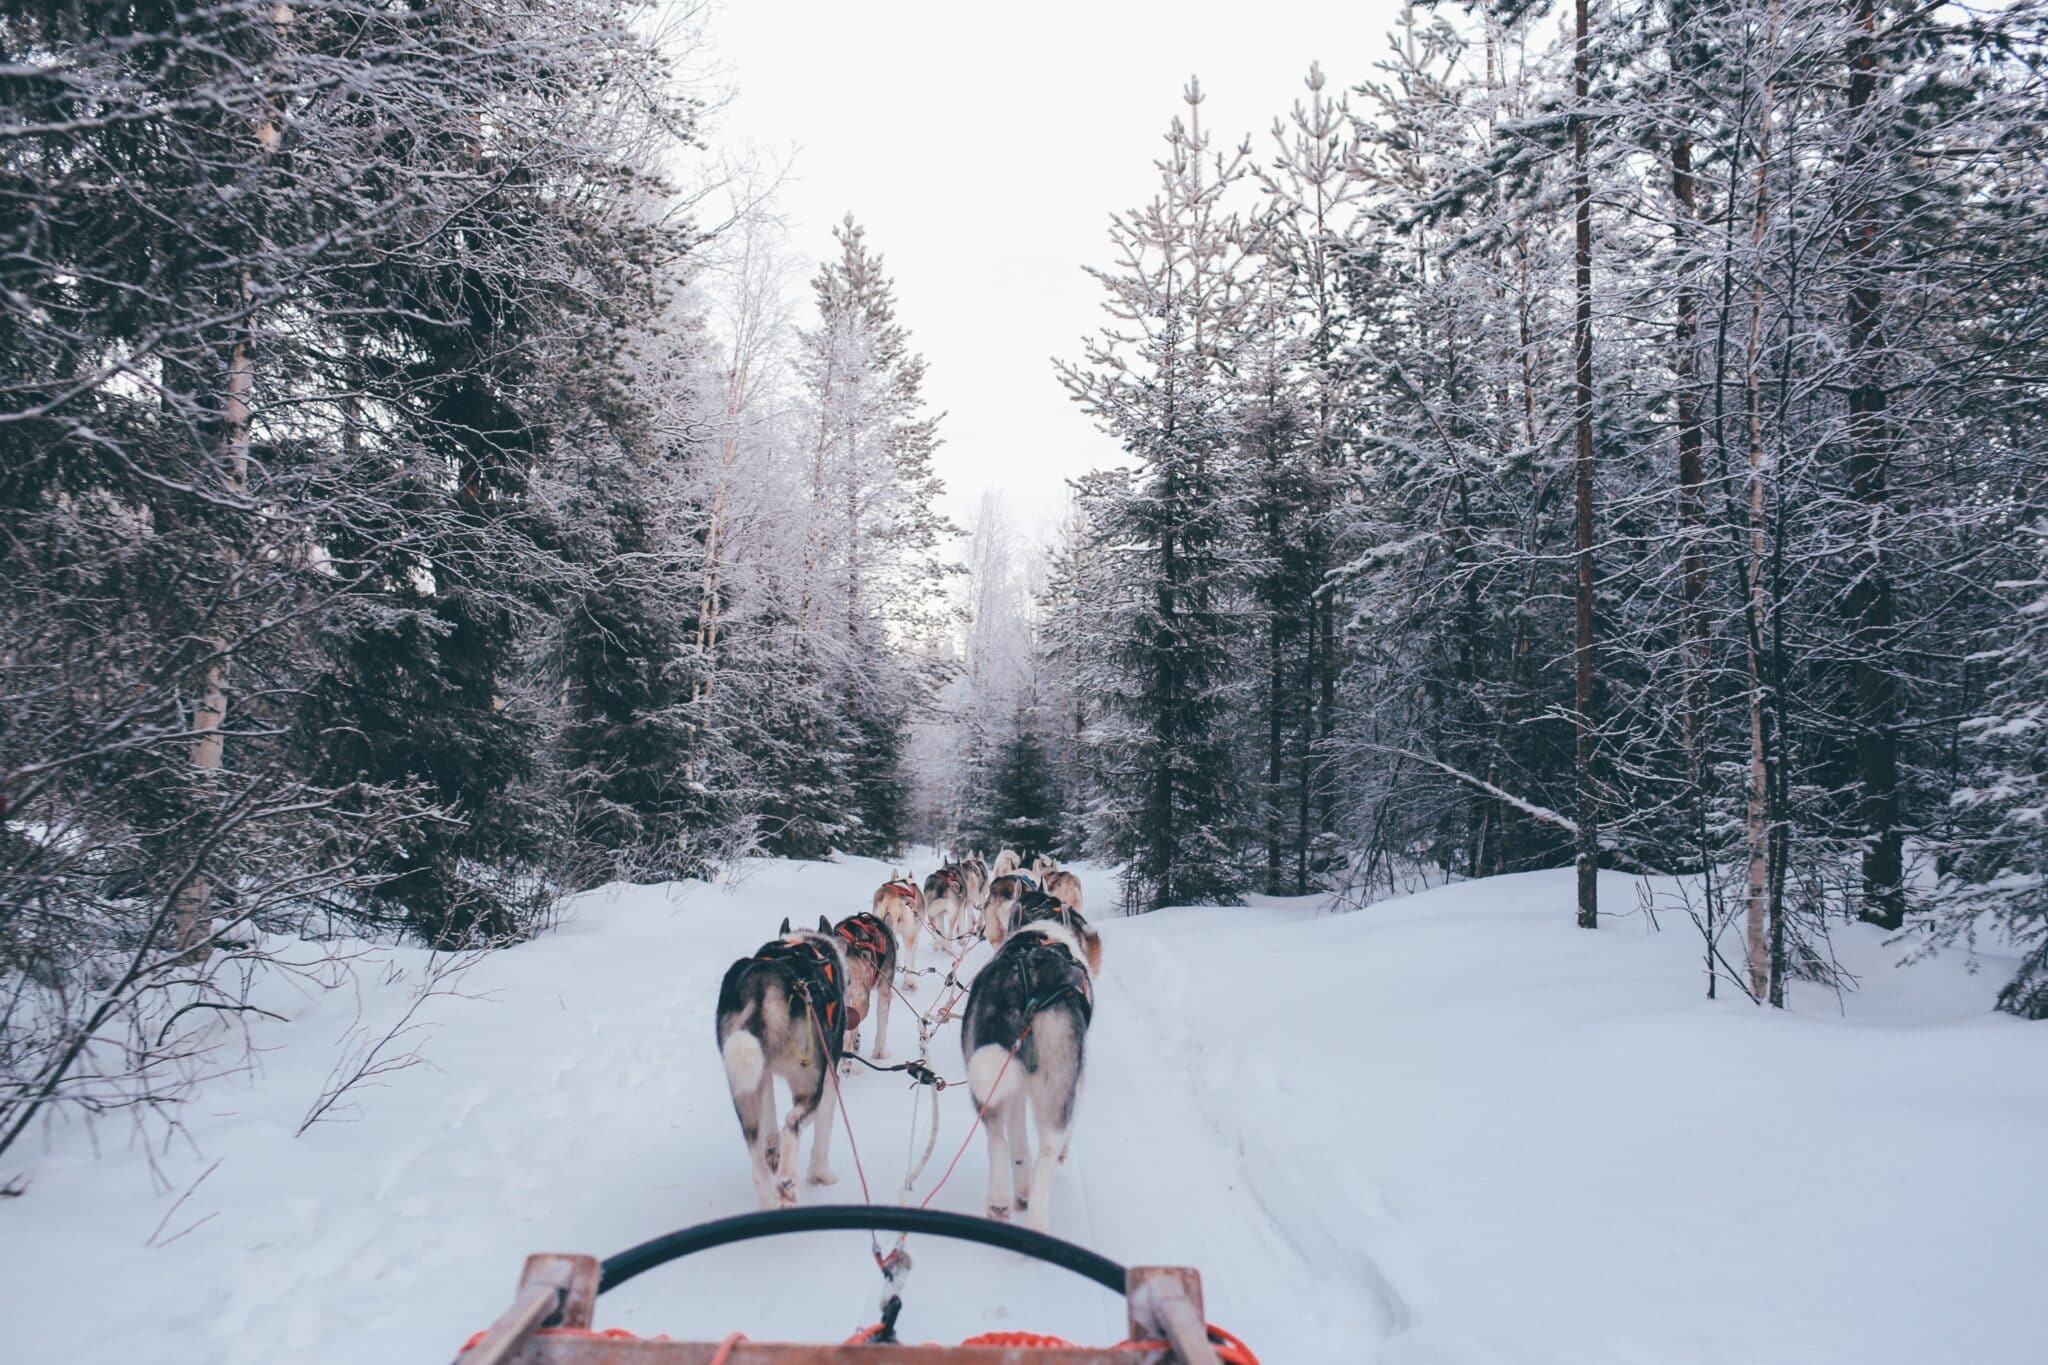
(866, 935)
(867, 939)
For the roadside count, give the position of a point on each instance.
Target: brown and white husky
(869, 947)
(1064, 885)
(900, 905)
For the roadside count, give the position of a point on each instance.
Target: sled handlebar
(746, 1227)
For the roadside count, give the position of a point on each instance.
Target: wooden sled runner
(549, 1322)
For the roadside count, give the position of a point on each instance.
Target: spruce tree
(872, 571)
(1024, 807)
(1162, 642)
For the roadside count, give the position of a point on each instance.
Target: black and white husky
(1024, 1039)
(782, 1013)
(1034, 908)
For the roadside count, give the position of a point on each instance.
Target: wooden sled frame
(550, 1318)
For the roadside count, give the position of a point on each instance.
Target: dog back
(793, 986)
(1039, 908)
(1034, 971)
(869, 942)
(949, 883)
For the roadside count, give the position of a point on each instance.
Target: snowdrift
(1448, 1128)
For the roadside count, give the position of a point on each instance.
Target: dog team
(794, 1010)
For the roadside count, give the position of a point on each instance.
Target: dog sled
(549, 1322)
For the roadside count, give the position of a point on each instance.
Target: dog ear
(785, 925)
(824, 925)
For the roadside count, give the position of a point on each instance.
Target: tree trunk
(1691, 464)
(1276, 694)
(193, 920)
(1757, 930)
(1695, 647)
(1870, 608)
(1582, 345)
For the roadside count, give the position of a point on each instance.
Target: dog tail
(745, 1063)
(986, 1072)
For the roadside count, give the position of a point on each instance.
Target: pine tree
(872, 573)
(1024, 808)
(1311, 191)
(1163, 637)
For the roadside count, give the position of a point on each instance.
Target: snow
(1448, 1128)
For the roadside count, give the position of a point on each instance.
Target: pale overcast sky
(983, 147)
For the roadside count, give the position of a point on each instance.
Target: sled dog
(976, 872)
(1023, 1038)
(1066, 886)
(870, 951)
(1036, 908)
(946, 900)
(1003, 894)
(1044, 865)
(781, 1013)
(1006, 862)
(900, 905)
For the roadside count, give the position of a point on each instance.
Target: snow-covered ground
(1451, 1128)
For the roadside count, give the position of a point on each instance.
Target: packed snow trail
(1448, 1129)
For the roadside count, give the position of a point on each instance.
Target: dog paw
(1023, 1204)
(785, 1193)
(999, 1212)
(910, 984)
(824, 1178)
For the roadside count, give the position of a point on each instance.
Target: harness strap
(818, 963)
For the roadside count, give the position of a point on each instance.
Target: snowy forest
(419, 502)
(429, 486)
(478, 547)
(1618, 444)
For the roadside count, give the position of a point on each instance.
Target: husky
(1066, 886)
(945, 899)
(1023, 1038)
(782, 1013)
(1043, 865)
(1036, 908)
(976, 872)
(1006, 862)
(1003, 894)
(870, 951)
(900, 905)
